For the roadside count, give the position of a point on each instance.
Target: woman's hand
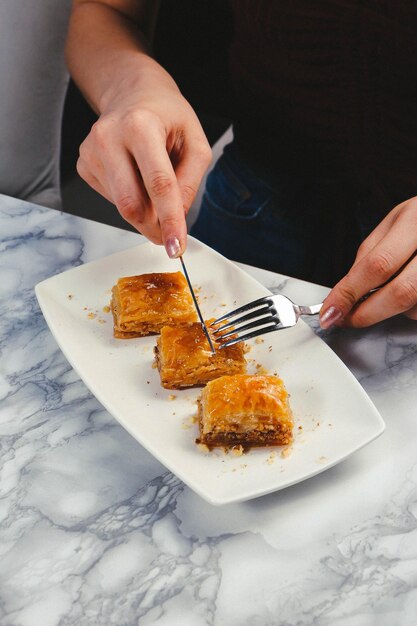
(147, 153)
(386, 256)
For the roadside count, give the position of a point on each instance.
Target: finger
(378, 233)
(195, 159)
(128, 193)
(86, 174)
(162, 187)
(115, 177)
(398, 296)
(372, 270)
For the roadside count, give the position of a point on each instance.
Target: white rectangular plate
(334, 417)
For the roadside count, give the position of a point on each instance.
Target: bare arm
(147, 152)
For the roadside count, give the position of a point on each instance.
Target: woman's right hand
(147, 153)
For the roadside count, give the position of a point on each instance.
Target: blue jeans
(308, 229)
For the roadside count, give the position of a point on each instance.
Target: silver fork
(269, 313)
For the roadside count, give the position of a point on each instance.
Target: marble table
(95, 531)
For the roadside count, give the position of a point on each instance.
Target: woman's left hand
(386, 256)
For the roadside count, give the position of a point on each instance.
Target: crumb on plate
(286, 452)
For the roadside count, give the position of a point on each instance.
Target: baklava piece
(184, 358)
(142, 305)
(245, 411)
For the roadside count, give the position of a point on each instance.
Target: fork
(269, 313)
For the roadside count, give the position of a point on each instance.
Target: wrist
(132, 79)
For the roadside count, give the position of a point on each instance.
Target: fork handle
(309, 310)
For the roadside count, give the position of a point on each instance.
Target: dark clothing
(296, 227)
(328, 88)
(325, 127)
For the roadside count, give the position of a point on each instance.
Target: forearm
(108, 49)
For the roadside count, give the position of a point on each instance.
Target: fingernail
(330, 317)
(173, 248)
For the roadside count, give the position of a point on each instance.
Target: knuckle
(84, 170)
(347, 294)
(381, 265)
(169, 223)
(363, 249)
(129, 208)
(81, 167)
(138, 120)
(87, 153)
(99, 132)
(360, 318)
(155, 237)
(188, 193)
(160, 185)
(405, 293)
(409, 208)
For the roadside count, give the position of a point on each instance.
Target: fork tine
(242, 309)
(256, 324)
(261, 331)
(244, 318)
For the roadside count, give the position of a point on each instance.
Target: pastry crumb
(203, 448)
(259, 340)
(106, 309)
(237, 450)
(154, 365)
(171, 396)
(286, 452)
(101, 321)
(271, 458)
(70, 296)
(91, 315)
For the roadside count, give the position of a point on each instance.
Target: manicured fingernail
(173, 248)
(330, 317)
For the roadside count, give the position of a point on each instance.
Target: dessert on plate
(142, 305)
(184, 358)
(245, 410)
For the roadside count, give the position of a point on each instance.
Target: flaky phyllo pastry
(142, 305)
(245, 410)
(184, 358)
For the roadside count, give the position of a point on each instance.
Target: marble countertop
(94, 530)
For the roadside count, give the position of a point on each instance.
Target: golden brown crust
(142, 305)
(245, 410)
(184, 358)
